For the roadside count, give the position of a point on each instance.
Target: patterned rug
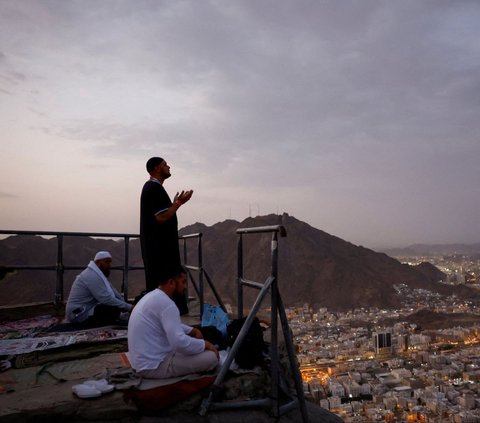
(18, 346)
(27, 327)
(30, 342)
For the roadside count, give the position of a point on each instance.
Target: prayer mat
(52, 373)
(30, 344)
(26, 345)
(27, 327)
(32, 351)
(71, 352)
(75, 327)
(44, 321)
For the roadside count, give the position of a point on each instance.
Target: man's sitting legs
(177, 364)
(104, 315)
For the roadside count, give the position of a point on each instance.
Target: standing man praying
(159, 228)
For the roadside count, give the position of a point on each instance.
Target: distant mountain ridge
(435, 250)
(314, 266)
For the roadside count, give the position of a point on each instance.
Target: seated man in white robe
(93, 301)
(160, 346)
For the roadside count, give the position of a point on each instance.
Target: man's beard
(106, 272)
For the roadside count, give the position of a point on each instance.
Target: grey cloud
(8, 195)
(9, 76)
(351, 68)
(37, 112)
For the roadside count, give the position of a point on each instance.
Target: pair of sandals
(92, 388)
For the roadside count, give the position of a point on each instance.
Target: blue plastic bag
(215, 316)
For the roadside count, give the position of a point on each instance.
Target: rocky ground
(40, 396)
(43, 393)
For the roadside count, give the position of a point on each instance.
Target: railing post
(240, 276)
(60, 270)
(125, 267)
(200, 276)
(274, 325)
(185, 260)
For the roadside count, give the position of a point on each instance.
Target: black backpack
(213, 335)
(250, 353)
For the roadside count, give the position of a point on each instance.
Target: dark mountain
(314, 267)
(431, 272)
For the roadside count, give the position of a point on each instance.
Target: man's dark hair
(172, 274)
(152, 163)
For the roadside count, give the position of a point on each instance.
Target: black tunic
(159, 241)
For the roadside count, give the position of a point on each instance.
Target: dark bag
(213, 335)
(250, 353)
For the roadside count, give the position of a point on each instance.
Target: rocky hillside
(314, 266)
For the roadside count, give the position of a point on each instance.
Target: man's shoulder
(148, 297)
(152, 186)
(158, 295)
(155, 299)
(88, 275)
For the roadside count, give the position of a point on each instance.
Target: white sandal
(102, 385)
(86, 391)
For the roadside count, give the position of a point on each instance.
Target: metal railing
(277, 310)
(199, 270)
(59, 267)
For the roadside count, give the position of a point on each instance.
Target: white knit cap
(102, 255)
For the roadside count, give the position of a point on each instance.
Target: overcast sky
(361, 118)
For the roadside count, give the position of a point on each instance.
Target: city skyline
(357, 118)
